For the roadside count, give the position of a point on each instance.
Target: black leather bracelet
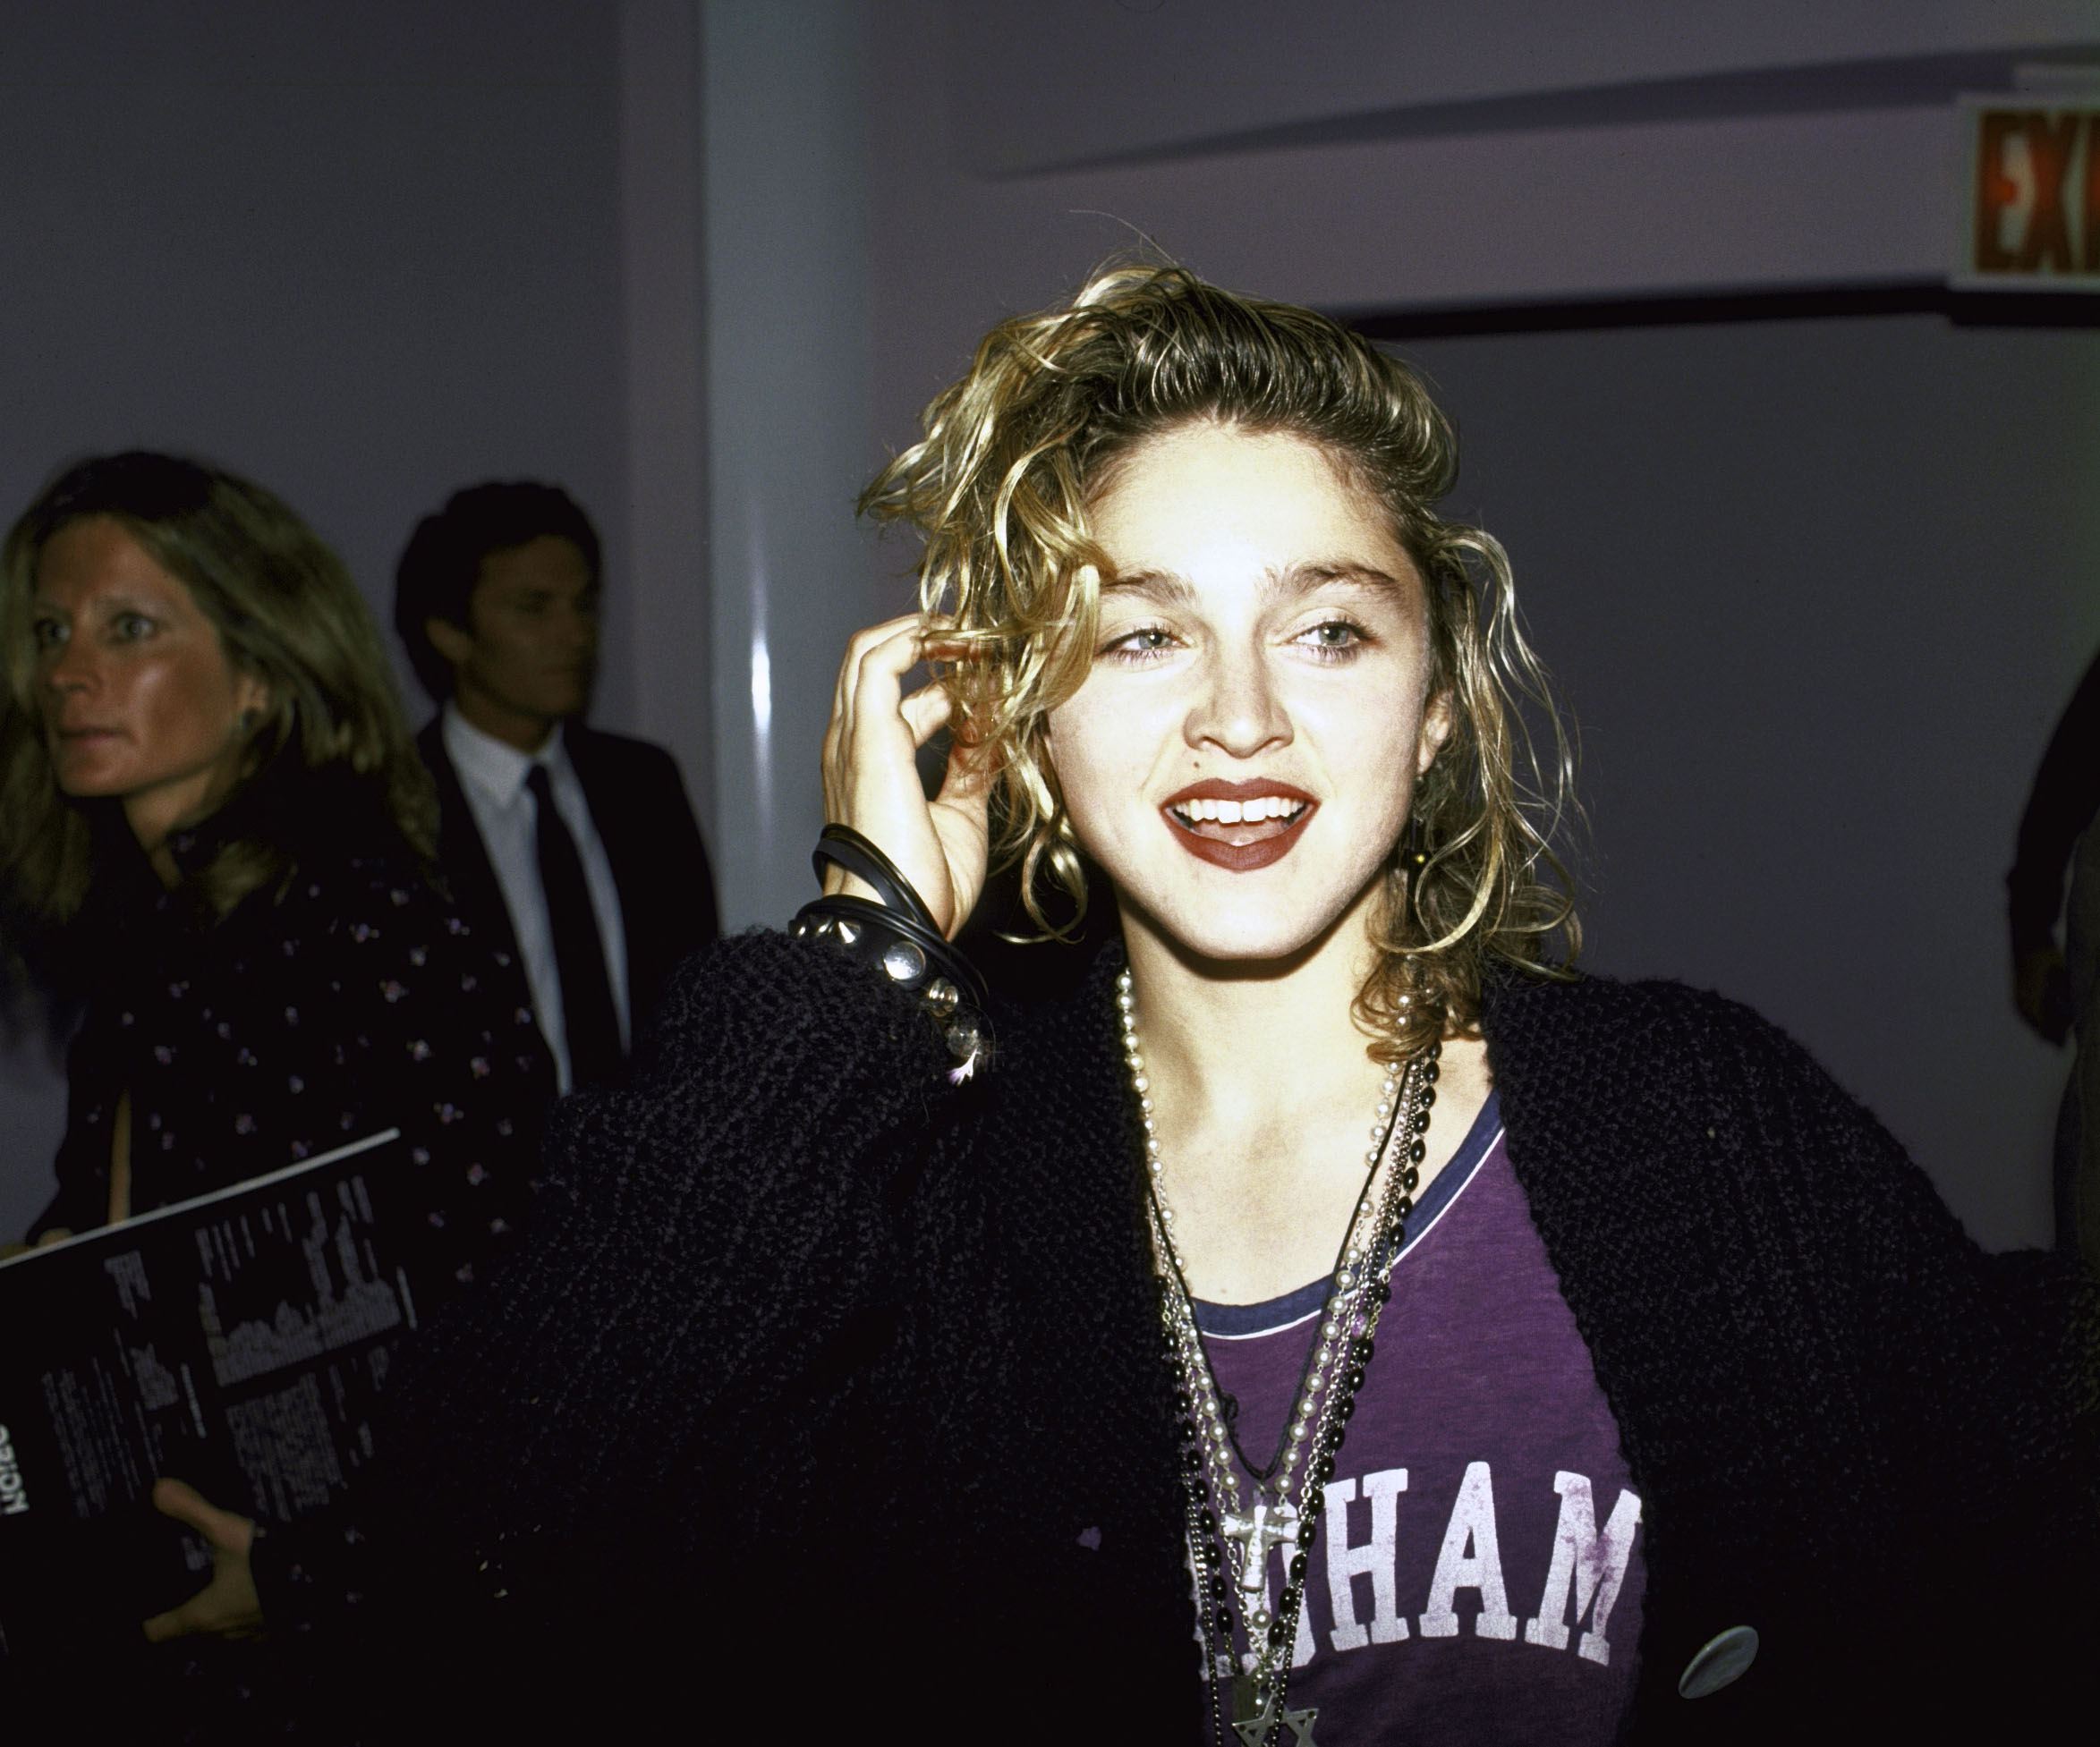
(899, 938)
(863, 857)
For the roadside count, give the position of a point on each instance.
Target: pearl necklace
(1342, 1349)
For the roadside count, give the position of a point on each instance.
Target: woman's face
(1242, 756)
(138, 698)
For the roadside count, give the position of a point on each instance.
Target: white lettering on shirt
(1587, 1569)
(1472, 1525)
(1374, 1559)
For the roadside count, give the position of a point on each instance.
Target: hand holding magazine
(238, 1342)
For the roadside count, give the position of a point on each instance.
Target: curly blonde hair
(999, 487)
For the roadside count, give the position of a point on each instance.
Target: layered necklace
(1232, 1528)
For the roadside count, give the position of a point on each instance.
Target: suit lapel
(461, 856)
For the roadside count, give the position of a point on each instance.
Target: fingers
(968, 776)
(876, 660)
(228, 1605)
(877, 680)
(927, 711)
(848, 684)
(868, 702)
(890, 634)
(226, 1530)
(886, 650)
(870, 777)
(176, 1622)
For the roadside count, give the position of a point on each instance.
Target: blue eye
(1145, 644)
(1334, 638)
(129, 627)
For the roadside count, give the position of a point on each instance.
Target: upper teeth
(1238, 812)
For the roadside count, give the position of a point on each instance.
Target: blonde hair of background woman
(286, 609)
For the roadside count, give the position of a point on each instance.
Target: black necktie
(588, 1018)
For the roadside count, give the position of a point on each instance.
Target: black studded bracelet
(897, 936)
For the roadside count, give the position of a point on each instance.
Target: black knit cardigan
(799, 1411)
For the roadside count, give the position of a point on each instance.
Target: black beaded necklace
(1336, 1356)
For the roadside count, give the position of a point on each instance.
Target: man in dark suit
(577, 849)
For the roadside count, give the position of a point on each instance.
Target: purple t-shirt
(1477, 1575)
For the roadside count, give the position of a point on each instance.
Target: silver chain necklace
(1231, 1580)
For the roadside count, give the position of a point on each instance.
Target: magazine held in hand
(240, 1341)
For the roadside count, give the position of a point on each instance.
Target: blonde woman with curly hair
(1337, 1320)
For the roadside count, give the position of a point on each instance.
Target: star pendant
(1255, 1731)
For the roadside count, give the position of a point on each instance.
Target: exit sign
(2032, 219)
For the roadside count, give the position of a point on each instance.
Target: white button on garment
(1721, 1660)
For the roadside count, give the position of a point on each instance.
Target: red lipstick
(1246, 846)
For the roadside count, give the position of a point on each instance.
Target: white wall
(1358, 156)
(1036, 84)
(662, 215)
(1816, 590)
(786, 246)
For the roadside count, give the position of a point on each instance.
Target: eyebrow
(119, 598)
(1171, 588)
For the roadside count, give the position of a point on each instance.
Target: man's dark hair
(438, 571)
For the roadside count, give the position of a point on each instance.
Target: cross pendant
(1256, 1532)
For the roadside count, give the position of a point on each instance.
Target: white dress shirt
(493, 775)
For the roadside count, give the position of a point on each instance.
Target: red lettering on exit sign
(2033, 196)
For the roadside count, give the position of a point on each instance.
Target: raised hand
(872, 782)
